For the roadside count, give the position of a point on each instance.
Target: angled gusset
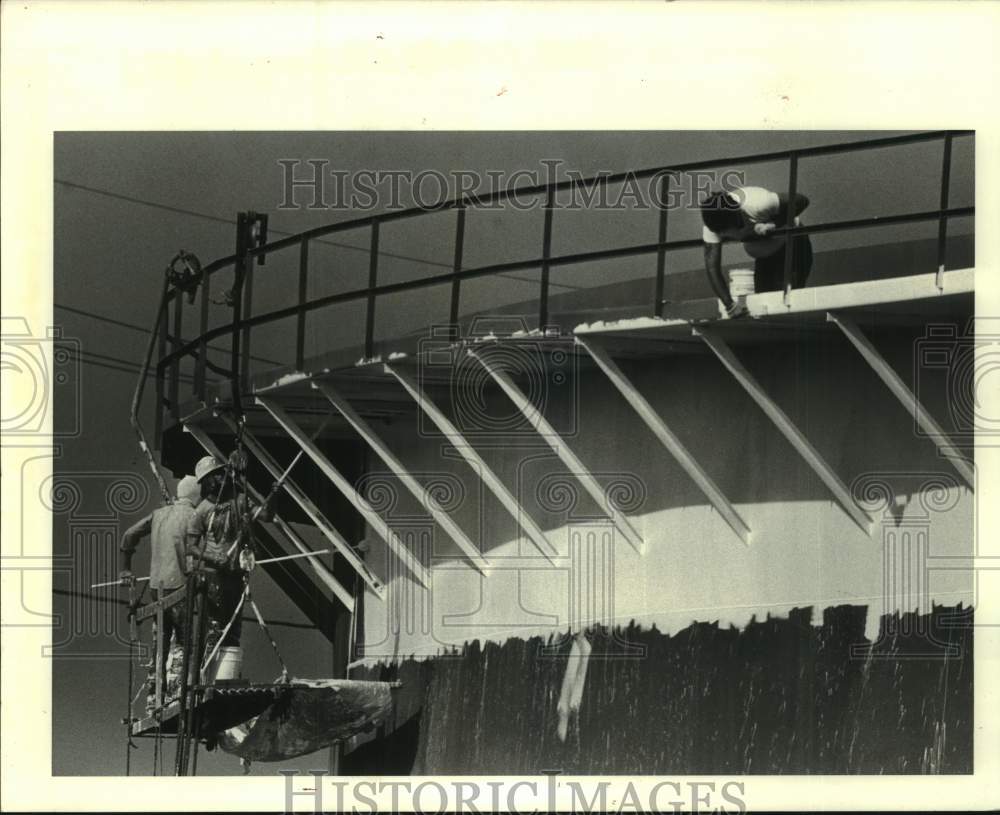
(417, 569)
(569, 459)
(310, 509)
(667, 438)
(788, 429)
(321, 569)
(427, 500)
(909, 399)
(472, 457)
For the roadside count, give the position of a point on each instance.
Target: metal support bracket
(320, 568)
(310, 509)
(426, 498)
(666, 437)
(908, 398)
(417, 569)
(534, 416)
(474, 460)
(788, 429)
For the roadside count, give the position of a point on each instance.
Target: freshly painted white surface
(806, 550)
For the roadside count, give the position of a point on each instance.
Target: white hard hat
(207, 466)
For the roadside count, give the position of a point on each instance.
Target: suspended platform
(275, 721)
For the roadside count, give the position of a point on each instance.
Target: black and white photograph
(633, 465)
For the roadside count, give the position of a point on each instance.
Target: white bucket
(741, 282)
(228, 663)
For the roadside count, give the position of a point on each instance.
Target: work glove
(762, 230)
(126, 577)
(736, 309)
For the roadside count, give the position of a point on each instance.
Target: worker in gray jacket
(166, 529)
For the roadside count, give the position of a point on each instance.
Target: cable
(135, 327)
(217, 219)
(181, 211)
(122, 367)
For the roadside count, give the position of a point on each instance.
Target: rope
(263, 625)
(138, 693)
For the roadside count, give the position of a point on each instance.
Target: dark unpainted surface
(781, 696)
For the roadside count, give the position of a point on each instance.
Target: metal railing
(243, 262)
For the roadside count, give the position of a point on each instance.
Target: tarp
(308, 715)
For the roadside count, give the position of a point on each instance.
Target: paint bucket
(741, 282)
(228, 663)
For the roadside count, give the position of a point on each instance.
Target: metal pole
(793, 180)
(292, 557)
(175, 369)
(543, 297)
(661, 252)
(158, 334)
(158, 637)
(943, 221)
(239, 271)
(456, 284)
(194, 731)
(200, 365)
(179, 764)
(300, 331)
(247, 311)
(372, 282)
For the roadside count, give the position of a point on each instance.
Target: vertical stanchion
(543, 297)
(200, 367)
(372, 282)
(180, 763)
(175, 368)
(247, 311)
(300, 329)
(158, 642)
(161, 352)
(661, 252)
(943, 220)
(239, 271)
(793, 181)
(456, 284)
(194, 730)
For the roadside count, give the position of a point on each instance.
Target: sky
(125, 203)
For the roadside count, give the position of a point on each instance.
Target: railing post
(175, 368)
(793, 181)
(661, 251)
(943, 220)
(456, 284)
(300, 333)
(372, 283)
(200, 365)
(245, 315)
(161, 352)
(239, 270)
(543, 297)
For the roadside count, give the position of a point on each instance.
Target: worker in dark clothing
(166, 529)
(749, 215)
(216, 535)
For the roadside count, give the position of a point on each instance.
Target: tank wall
(805, 549)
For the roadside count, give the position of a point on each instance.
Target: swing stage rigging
(255, 721)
